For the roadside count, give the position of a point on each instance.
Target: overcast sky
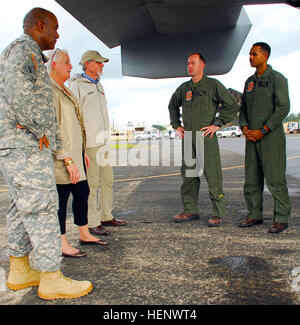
(146, 101)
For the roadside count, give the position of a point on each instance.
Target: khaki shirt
(71, 135)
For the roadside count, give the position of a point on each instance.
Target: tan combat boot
(54, 285)
(21, 275)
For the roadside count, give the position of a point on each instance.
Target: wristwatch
(218, 124)
(68, 162)
(264, 131)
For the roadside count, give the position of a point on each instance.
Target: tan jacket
(94, 106)
(71, 135)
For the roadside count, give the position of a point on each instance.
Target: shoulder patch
(188, 95)
(250, 86)
(33, 58)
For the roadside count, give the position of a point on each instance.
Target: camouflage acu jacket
(26, 97)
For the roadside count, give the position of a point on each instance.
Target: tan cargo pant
(100, 181)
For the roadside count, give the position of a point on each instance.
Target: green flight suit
(199, 102)
(266, 102)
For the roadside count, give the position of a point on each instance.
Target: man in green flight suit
(199, 99)
(265, 104)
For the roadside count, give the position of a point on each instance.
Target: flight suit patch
(188, 95)
(250, 86)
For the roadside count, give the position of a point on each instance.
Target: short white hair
(54, 56)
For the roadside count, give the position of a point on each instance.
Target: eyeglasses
(52, 58)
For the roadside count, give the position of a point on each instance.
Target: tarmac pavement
(155, 261)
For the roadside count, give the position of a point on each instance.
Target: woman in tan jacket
(70, 162)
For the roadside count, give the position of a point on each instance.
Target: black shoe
(97, 242)
(78, 254)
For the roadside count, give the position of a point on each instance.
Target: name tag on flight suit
(201, 93)
(263, 84)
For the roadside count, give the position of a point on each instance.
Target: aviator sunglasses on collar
(52, 58)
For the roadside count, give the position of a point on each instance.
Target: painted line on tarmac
(164, 175)
(233, 167)
(145, 177)
(178, 174)
(294, 157)
(168, 175)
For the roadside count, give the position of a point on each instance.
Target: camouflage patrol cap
(92, 55)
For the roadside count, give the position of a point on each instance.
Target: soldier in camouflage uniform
(28, 134)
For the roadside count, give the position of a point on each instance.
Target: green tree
(159, 127)
(292, 117)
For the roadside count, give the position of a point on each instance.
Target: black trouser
(80, 192)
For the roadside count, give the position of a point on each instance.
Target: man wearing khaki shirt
(90, 93)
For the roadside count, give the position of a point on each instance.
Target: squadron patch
(250, 86)
(189, 96)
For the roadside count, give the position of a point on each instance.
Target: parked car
(170, 135)
(232, 131)
(154, 135)
(293, 127)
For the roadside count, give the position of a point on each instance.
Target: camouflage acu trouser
(32, 221)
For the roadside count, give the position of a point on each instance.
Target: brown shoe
(277, 227)
(214, 221)
(250, 222)
(113, 223)
(99, 230)
(184, 216)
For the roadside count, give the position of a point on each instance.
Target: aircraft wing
(157, 35)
